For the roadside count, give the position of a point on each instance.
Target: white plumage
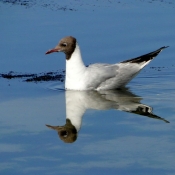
(98, 76)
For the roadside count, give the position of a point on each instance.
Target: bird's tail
(145, 58)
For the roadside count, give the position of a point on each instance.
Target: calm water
(112, 137)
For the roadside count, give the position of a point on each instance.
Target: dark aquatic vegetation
(45, 76)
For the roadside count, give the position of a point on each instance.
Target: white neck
(74, 69)
(74, 108)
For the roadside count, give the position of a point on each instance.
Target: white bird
(98, 76)
(78, 102)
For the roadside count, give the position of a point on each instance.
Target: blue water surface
(112, 138)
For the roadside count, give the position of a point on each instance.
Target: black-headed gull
(98, 76)
(77, 102)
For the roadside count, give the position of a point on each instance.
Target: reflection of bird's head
(67, 133)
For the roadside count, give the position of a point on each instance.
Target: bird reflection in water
(77, 102)
(67, 133)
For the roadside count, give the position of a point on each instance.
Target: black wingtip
(164, 47)
(146, 57)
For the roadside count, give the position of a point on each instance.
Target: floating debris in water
(76, 5)
(45, 76)
(51, 5)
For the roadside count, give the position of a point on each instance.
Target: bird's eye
(64, 44)
(64, 133)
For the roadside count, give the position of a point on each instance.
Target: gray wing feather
(103, 72)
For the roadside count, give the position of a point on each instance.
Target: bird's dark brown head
(67, 133)
(66, 45)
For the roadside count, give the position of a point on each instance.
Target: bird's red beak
(56, 49)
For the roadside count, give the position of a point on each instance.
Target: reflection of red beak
(53, 50)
